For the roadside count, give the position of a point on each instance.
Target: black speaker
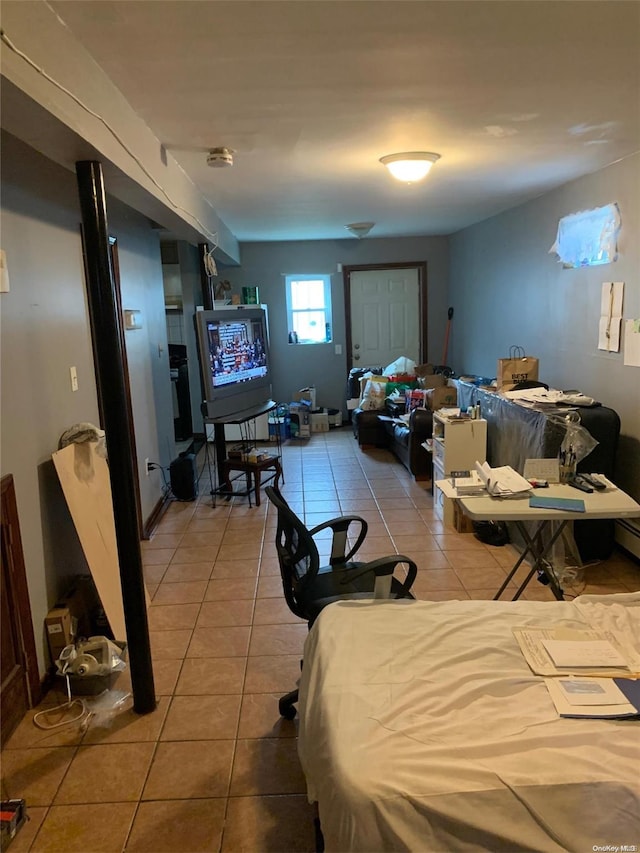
(184, 479)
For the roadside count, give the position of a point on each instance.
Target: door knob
(356, 346)
(356, 357)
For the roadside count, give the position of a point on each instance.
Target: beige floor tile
(187, 825)
(267, 766)
(270, 565)
(187, 572)
(475, 558)
(260, 717)
(414, 544)
(169, 645)
(35, 774)
(431, 560)
(202, 718)
(459, 542)
(180, 593)
(211, 676)
(247, 551)
(269, 586)
(274, 611)
(235, 569)
(25, 836)
(182, 770)
(480, 578)
(173, 524)
(108, 773)
(444, 595)
(270, 824)
(153, 575)
(78, 828)
(157, 556)
(272, 674)
(438, 579)
(162, 540)
(230, 589)
(165, 676)
(216, 614)
(167, 617)
(28, 734)
(489, 593)
(251, 536)
(227, 641)
(278, 639)
(202, 538)
(126, 726)
(196, 555)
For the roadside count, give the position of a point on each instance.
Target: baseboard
(156, 514)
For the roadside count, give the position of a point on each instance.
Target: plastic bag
(401, 365)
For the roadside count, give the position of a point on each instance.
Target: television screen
(234, 359)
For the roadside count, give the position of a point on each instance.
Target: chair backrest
(297, 553)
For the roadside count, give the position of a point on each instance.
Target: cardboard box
(61, 628)
(435, 380)
(306, 395)
(461, 522)
(439, 397)
(320, 421)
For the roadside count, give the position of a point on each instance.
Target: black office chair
(308, 586)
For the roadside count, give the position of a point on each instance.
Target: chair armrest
(386, 566)
(340, 527)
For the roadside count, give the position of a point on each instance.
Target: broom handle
(446, 337)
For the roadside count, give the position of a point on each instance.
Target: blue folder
(565, 504)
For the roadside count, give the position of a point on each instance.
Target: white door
(385, 316)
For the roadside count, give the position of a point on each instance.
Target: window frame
(325, 308)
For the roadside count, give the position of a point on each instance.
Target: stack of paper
(503, 482)
(470, 485)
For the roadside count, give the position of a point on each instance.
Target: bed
(422, 728)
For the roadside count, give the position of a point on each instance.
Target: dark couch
(404, 442)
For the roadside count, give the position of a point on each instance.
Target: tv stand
(240, 417)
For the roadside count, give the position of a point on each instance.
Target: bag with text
(517, 368)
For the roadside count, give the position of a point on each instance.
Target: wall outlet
(73, 376)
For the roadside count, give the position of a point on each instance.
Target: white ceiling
(517, 97)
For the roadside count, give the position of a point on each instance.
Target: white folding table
(613, 503)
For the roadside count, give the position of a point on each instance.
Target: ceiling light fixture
(360, 229)
(410, 166)
(220, 157)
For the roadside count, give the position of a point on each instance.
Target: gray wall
(265, 264)
(45, 330)
(507, 289)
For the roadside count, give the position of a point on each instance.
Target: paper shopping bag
(517, 368)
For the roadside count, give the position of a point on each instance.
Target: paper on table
(502, 482)
(542, 469)
(583, 653)
(530, 640)
(594, 697)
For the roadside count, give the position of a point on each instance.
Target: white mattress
(422, 728)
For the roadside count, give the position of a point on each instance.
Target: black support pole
(109, 349)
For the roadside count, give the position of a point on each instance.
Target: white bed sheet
(422, 728)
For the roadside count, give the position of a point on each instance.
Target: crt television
(233, 345)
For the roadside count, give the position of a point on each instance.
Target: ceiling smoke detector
(220, 157)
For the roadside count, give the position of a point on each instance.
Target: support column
(108, 337)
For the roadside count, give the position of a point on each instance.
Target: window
(309, 308)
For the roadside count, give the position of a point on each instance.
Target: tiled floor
(214, 767)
